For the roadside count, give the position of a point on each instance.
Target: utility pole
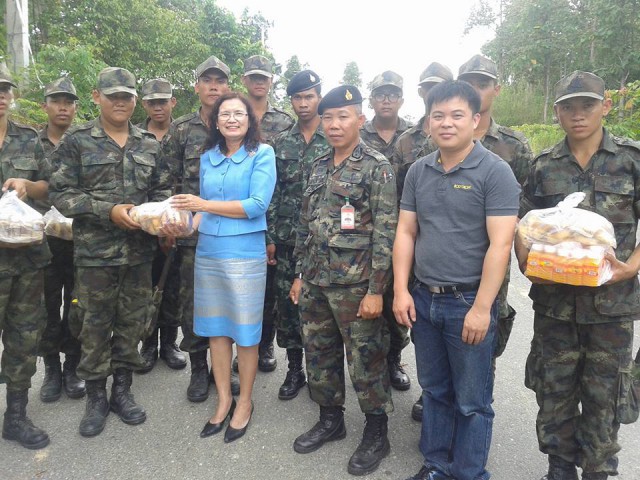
(17, 23)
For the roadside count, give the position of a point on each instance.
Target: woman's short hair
(215, 139)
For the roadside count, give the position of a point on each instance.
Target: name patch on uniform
(461, 187)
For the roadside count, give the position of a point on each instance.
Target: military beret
(156, 89)
(387, 78)
(5, 76)
(212, 63)
(301, 81)
(258, 65)
(435, 73)
(116, 80)
(340, 97)
(62, 85)
(579, 84)
(480, 65)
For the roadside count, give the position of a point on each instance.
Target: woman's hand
(186, 201)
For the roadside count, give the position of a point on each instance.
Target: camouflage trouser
(191, 342)
(22, 320)
(58, 289)
(289, 334)
(398, 334)
(113, 303)
(169, 315)
(576, 372)
(506, 315)
(329, 327)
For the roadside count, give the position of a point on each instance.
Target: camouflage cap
(213, 63)
(62, 85)
(156, 89)
(116, 80)
(340, 97)
(258, 65)
(480, 65)
(579, 84)
(435, 73)
(387, 78)
(5, 75)
(301, 81)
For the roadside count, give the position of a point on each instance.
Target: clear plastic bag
(161, 219)
(20, 225)
(57, 225)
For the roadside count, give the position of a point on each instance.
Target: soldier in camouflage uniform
(182, 147)
(580, 359)
(107, 166)
(158, 101)
(296, 149)
(60, 105)
(22, 313)
(509, 145)
(343, 247)
(258, 78)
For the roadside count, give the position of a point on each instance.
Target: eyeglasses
(226, 116)
(392, 97)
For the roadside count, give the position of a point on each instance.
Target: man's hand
(120, 216)
(370, 307)
(271, 254)
(620, 271)
(19, 185)
(166, 244)
(404, 309)
(476, 324)
(294, 293)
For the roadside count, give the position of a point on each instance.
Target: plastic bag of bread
(57, 225)
(566, 223)
(20, 225)
(161, 219)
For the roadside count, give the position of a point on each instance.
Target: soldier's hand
(370, 307)
(166, 244)
(19, 185)
(294, 293)
(476, 325)
(271, 254)
(404, 309)
(120, 216)
(619, 270)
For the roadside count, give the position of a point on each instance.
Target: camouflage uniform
(369, 135)
(22, 312)
(338, 269)
(113, 266)
(581, 349)
(294, 158)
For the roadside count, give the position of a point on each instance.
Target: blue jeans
(457, 385)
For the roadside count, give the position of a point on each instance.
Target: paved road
(167, 446)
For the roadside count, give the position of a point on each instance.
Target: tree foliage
(352, 75)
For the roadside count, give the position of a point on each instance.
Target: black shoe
(97, 409)
(416, 410)
(595, 476)
(373, 447)
(51, 388)
(427, 472)
(169, 351)
(198, 390)
(122, 402)
(329, 428)
(295, 378)
(560, 469)
(74, 386)
(213, 428)
(18, 427)
(232, 434)
(149, 352)
(398, 377)
(266, 358)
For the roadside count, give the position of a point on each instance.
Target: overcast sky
(399, 35)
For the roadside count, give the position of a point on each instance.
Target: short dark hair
(215, 139)
(317, 88)
(454, 89)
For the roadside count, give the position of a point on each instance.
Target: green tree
(352, 75)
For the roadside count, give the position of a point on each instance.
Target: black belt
(460, 287)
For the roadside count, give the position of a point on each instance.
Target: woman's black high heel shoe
(232, 434)
(213, 428)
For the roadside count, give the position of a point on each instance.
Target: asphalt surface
(167, 445)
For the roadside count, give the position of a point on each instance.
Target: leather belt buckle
(434, 289)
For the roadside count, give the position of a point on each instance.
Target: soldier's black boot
(295, 378)
(399, 379)
(594, 476)
(169, 351)
(198, 390)
(51, 388)
(73, 385)
(17, 425)
(560, 469)
(149, 352)
(97, 409)
(122, 402)
(266, 357)
(416, 410)
(329, 428)
(373, 447)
